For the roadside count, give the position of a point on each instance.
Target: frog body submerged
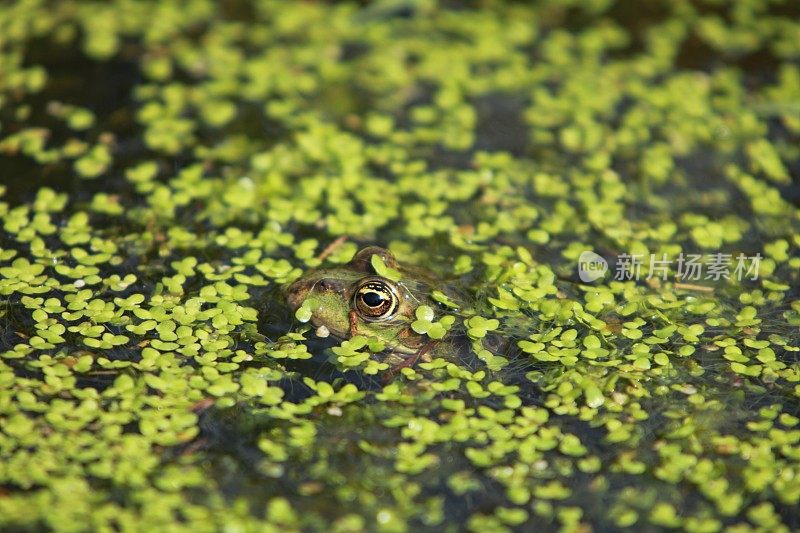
(353, 299)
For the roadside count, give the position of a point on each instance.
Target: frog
(353, 299)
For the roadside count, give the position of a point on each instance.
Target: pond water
(594, 205)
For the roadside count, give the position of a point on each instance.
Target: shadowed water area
(170, 170)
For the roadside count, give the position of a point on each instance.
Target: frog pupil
(376, 300)
(372, 299)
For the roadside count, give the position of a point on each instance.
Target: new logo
(591, 266)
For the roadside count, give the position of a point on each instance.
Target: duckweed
(168, 167)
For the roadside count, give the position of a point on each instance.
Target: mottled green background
(166, 167)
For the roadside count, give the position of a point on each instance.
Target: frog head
(354, 300)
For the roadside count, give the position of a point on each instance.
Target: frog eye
(376, 300)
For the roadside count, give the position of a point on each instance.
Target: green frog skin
(353, 299)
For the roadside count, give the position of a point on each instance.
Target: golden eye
(376, 300)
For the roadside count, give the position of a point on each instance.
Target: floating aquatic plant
(166, 168)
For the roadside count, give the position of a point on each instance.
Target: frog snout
(301, 289)
(295, 294)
